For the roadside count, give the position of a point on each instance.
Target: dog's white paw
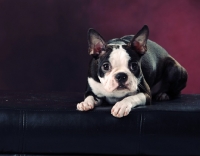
(87, 104)
(121, 109)
(84, 106)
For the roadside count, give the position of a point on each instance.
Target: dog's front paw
(87, 104)
(121, 109)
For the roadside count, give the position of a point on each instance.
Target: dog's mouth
(121, 87)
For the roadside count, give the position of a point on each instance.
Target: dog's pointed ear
(139, 41)
(96, 43)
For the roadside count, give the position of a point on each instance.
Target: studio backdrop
(43, 43)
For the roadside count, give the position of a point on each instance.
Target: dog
(130, 71)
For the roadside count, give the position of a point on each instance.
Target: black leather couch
(48, 123)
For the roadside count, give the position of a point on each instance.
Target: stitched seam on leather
(140, 132)
(19, 133)
(23, 129)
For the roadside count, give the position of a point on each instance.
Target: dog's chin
(119, 88)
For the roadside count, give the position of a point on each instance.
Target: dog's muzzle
(121, 78)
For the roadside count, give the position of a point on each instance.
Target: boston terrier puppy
(130, 71)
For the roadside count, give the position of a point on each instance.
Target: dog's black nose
(121, 77)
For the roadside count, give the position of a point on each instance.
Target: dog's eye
(133, 66)
(106, 67)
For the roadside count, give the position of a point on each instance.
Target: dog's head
(118, 61)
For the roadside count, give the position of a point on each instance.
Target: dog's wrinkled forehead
(116, 41)
(118, 56)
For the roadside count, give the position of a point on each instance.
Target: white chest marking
(111, 97)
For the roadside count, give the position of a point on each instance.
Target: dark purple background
(43, 43)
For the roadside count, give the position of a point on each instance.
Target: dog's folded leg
(174, 80)
(162, 97)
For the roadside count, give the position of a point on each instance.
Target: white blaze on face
(118, 59)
